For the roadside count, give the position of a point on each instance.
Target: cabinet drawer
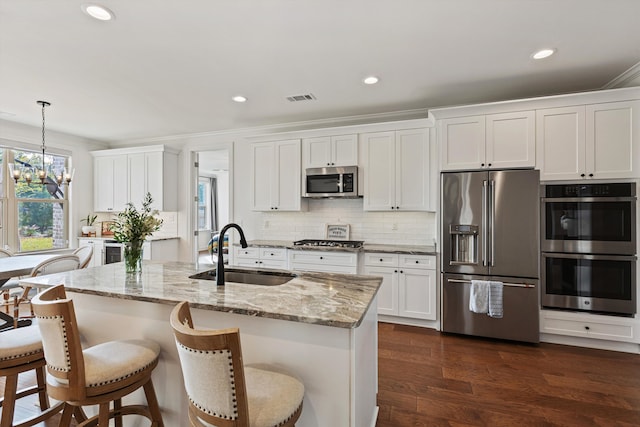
(380, 259)
(613, 331)
(324, 258)
(417, 261)
(248, 252)
(273, 253)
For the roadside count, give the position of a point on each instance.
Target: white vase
(88, 229)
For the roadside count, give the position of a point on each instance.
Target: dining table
(15, 266)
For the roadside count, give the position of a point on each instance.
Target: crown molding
(625, 78)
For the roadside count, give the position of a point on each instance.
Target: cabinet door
(110, 183)
(263, 170)
(316, 152)
(285, 195)
(417, 293)
(560, 143)
(344, 150)
(462, 143)
(388, 292)
(511, 140)
(610, 132)
(412, 177)
(379, 175)
(136, 165)
(154, 178)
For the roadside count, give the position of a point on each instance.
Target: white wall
(81, 194)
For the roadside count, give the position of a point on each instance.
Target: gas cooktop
(354, 244)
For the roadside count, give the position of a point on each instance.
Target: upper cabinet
(110, 183)
(493, 141)
(276, 176)
(330, 151)
(126, 175)
(589, 141)
(396, 170)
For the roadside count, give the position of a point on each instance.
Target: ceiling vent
(305, 97)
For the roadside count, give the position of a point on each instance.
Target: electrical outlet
(265, 224)
(394, 226)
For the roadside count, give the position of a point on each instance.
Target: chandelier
(61, 177)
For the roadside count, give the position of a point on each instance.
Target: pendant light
(61, 178)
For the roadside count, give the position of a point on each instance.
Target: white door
(462, 143)
(417, 293)
(560, 143)
(379, 175)
(412, 170)
(511, 140)
(388, 291)
(286, 195)
(263, 164)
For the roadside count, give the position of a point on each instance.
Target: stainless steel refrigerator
(490, 223)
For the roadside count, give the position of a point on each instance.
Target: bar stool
(224, 392)
(21, 351)
(98, 375)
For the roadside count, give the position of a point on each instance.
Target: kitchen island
(321, 327)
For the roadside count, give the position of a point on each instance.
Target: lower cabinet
(261, 257)
(160, 250)
(408, 284)
(324, 261)
(593, 326)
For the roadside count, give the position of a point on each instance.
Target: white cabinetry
(110, 183)
(589, 141)
(160, 250)
(330, 151)
(261, 257)
(397, 172)
(276, 176)
(155, 173)
(98, 250)
(127, 174)
(409, 284)
(496, 141)
(591, 326)
(324, 261)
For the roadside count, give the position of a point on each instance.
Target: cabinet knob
(395, 271)
(587, 328)
(321, 257)
(380, 259)
(397, 207)
(328, 164)
(393, 207)
(417, 262)
(591, 175)
(482, 164)
(489, 165)
(582, 175)
(272, 254)
(401, 271)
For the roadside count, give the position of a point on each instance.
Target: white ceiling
(170, 67)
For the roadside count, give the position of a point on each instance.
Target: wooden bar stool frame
(71, 387)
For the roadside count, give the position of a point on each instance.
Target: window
(204, 203)
(37, 215)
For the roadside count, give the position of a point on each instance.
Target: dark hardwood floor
(433, 379)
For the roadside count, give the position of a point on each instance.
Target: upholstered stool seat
(21, 351)
(224, 392)
(98, 375)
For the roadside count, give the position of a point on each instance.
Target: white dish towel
(496, 306)
(479, 296)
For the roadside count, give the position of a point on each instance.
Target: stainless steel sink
(251, 277)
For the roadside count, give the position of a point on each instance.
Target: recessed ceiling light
(543, 53)
(98, 12)
(239, 98)
(371, 80)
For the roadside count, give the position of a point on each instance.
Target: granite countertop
(149, 239)
(337, 300)
(368, 247)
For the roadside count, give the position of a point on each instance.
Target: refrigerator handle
(484, 236)
(492, 214)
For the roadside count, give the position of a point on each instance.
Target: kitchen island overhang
(321, 327)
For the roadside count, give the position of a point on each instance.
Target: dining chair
(84, 253)
(56, 264)
(21, 351)
(6, 287)
(97, 375)
(222, 391)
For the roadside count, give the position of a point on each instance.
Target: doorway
(213, 208)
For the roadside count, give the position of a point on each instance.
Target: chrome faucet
(220, 265)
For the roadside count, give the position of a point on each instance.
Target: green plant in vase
(132, 227)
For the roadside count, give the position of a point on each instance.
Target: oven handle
(589, 256)
(588, 199)
(509, 285)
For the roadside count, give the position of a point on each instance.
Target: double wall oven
(588, 247)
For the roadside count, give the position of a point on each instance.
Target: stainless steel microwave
(331, 182)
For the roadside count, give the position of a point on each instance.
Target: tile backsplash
(409, 228)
